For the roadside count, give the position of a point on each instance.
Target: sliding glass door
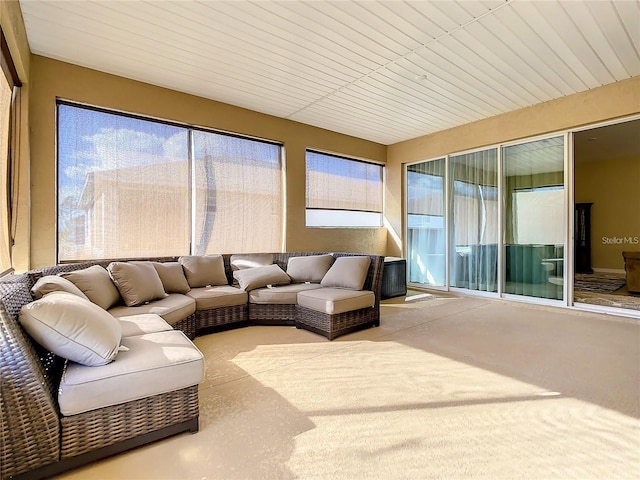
(535, 223)
(426, 234)
(474, 220)
(503, 213)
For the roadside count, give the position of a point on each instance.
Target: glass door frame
(570, 263)
(501, 273)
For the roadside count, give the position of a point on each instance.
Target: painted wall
(16, 35)
(604, 103)
(53, 79)
(612, 187)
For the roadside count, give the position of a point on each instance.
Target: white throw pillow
(310, 268)
(96, 284)
(202, 271)
(72, 328)
(252, 278)
(137, 282)
(55, 283)
(347, 272)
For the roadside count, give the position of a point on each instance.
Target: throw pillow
(72, 328)
(55, 283)
(311, 268)
(243, 261)
(96, 284)
(137, 282)
(172, 277)
(202, 271)
(250, 260)
(347, 272)
(252, 278)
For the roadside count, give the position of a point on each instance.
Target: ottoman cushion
(336, 300)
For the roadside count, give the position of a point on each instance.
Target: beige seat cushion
(133, 325)
(55, 283)
(280, 295)
(137, 282)
(216, 297)
(96, 284)
(172, 308)
(154, 363)
(336, 300)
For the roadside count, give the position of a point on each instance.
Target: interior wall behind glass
(474, 220)
(534, 218)
(426, 235)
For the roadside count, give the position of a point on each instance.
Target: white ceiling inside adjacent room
(385, 71)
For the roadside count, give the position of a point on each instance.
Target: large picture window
(342, 192)
(134, 187)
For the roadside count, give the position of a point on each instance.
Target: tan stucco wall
(604, 103)
(16, 35)
(52, 79)
(612, 186)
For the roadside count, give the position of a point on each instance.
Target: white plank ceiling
(385, 71)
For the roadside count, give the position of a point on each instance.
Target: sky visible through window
(107, 159)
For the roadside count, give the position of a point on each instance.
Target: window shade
(238, 194)
(343, 184)
(5, 115)
(123, 186)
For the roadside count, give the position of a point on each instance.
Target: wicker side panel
(217, 317)
(103, 427)
(272, 314)
(187, 325)
(332, 326)
(30, 429)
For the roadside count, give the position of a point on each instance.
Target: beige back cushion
(172, 277)
(252, 278)
(347, 272)
(55, 283)
(137, 282)
(311, 268)
(96, 284)
(72, 328)
(242, 261)
(202, 271)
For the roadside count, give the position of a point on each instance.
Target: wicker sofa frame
(38, 442)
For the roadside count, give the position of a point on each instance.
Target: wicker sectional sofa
(45, 428)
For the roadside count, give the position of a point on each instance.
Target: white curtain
(6, 90)
(474, 220)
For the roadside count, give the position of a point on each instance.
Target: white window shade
(134, 187)
(238, 194)
(342, 191)
(5, 115)
(123, 186)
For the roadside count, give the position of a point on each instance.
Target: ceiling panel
(386, 71)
